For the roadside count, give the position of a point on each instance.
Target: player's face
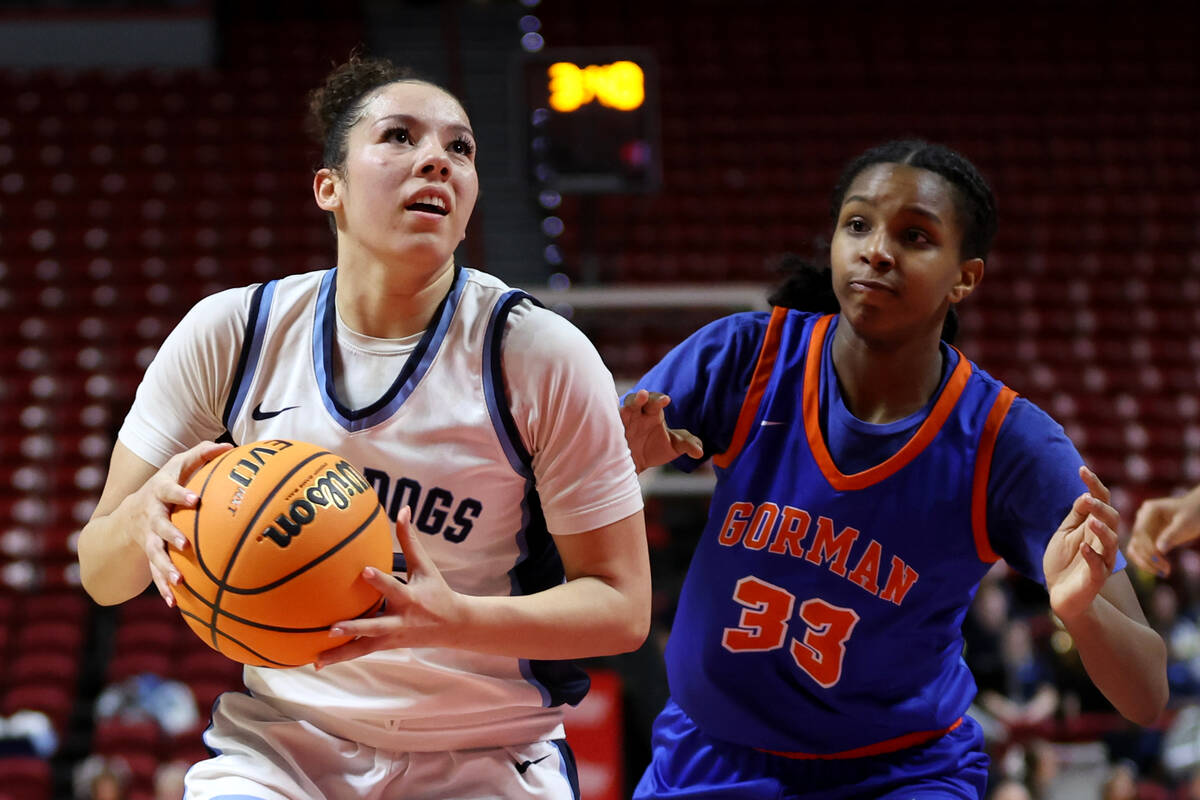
(896, 252)
(408, 185)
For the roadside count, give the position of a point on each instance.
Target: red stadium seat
(25, 778)
(50, 636)
(157, 635)
(54, 700)
(43, 668)
(134, 662)
(117, 736)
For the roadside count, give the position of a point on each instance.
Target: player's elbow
(630, 620)
(1147, 713)
(637, 628)
(1149, 702)
(102, 581)
(102, 592)
(1153, 705)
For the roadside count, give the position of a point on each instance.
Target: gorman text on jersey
(785, 531)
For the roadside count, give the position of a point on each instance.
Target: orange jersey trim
(983, 468)
(879, 748)
(758, 386)
(911, 449)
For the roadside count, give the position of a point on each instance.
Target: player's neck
(389, 302)
(885, 384)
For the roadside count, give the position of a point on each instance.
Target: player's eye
(462, 146)
(917, 236)
(397, 134)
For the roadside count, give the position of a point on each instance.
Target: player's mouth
(871, 286)
(429, 203)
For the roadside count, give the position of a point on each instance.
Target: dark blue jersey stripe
(252, 342)
(494, 389)
(324, 329)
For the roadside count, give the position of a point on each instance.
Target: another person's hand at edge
(651, 442)
(1161, 525)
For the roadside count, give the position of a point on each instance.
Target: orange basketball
(277, 548)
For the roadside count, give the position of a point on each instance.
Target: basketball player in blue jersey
(467, 407)
(868, 475)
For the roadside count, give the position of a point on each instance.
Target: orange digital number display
(620, 85)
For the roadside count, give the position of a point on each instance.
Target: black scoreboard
(591, 120)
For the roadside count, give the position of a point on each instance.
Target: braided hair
(809, 286)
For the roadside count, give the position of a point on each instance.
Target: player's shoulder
(1025, 419)
(740, 326)
(532, 332)
(1028, 424)
(237, 300)
(220, 309)
(543, 332)
(484, 283)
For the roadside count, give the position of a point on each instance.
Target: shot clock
(591, 120)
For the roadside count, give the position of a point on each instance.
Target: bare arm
(123, 546)
(601, 609)
(1123, 655)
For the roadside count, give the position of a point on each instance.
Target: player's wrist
(1073, 612)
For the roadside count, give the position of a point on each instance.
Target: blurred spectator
(1010, 789)
(1121, 783)
(99, 777)
(1043, 767)
(1027, 696)
(170, 703)
(27, 733)
(1015, 682)
(1181, 744)
(1183, 641)
(1190, 790)
(983, 632)
(168, 780)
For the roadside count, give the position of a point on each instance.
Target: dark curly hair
(808, 286)
(336, 106)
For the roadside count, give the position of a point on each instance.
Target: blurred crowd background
(153, 152)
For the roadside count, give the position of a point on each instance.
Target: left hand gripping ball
(277, 548)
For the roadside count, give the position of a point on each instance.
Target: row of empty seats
(125, 196)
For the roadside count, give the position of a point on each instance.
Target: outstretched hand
(422, 612)
(1160, 526)
(1083, 551)
(650, 441)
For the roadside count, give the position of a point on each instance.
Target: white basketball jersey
(440, 440)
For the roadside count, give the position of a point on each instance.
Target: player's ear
(970, 273)
(327, 189)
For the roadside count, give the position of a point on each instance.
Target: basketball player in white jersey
(489, 427)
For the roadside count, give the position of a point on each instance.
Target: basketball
(277, 546)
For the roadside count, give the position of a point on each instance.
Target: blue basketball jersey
(821, 614)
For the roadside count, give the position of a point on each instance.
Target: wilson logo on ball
(336, 487)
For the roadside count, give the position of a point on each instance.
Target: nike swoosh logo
(765, 423)
(527, 764)
(260, 415)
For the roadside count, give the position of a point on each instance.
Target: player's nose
(877, 251)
